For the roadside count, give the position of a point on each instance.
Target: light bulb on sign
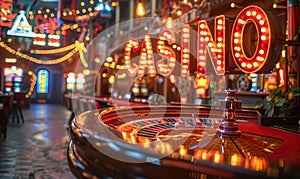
(179, 12)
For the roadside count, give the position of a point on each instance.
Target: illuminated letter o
(261, 21)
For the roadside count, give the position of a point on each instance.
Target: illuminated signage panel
(42, 81)
(261, 60)
(21, 27)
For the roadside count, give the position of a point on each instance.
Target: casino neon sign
(206, 44)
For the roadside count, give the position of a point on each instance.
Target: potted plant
(279, 107)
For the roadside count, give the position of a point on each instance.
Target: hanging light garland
(53, 51)
(77, 46)
(32, 85)
(82, 49)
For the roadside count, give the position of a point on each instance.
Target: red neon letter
(257, 16)
(185, 51)
(167, 52)
(215, 47)
(146, 58)
(131, 45)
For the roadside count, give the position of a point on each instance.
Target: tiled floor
(37, 148)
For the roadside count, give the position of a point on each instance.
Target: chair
(68, 101)
(82, 105)
(6, 101)
(73, 101)
(69, 105)
(91, 104)
(16, 112)
(75, 104)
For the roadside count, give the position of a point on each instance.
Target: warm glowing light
(235, 160)
(216, 50)
(214, 47)
(32, 84)
(185, 52)
(132, 45)
(169, 23)
(257, 163)
(10, 60)
(202, 154)
(261, 22)
(179, 12)
(256, 62)
(283, 53)
(182, 150)
(217, 158)
(73, 48)
(146, 58)
(109, 59)
(166, 68)
(248, 13)
(277, 65)
(258, 17)
(263, 37)
(140, 9)
(115, 3)
(111, 79)
(282, 80)
(202, 85)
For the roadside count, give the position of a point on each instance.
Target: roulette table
(180, 142)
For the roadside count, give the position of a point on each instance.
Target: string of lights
(77, 46)
(82, 59)
(53, 51)
(32, 84)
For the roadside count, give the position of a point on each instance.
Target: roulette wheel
(180, 142)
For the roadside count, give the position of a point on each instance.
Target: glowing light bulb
(140, 9)
(169, 22)
(179, 12)
(232, 5)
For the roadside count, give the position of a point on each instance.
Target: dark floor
(37, 148)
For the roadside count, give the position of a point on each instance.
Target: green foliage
(280, 103)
